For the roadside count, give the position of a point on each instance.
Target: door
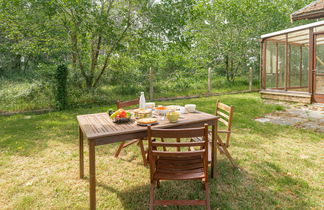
(318, 71)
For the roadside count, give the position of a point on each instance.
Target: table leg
(214, 152)
(92, 169)
(81, 159)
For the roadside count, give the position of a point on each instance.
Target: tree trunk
(227, 68)
(17, 63)
(151, 84)
(209, 80)
(250, 78)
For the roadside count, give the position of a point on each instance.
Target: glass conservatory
(292, 64)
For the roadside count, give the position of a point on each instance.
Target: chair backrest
(123, 104)
(155, 153)
(225, 114)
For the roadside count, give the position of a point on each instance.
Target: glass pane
(305, 67)
(319, 29)
(281, 65)
(275, 65)
(319, 65)
(271, 65)
(299, 37)
(297, 69)
(319, 61)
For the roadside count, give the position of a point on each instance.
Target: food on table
(147, 121)
(120, 113)
(173, 116)
(142, 113)
(161, 110)
(173, 107)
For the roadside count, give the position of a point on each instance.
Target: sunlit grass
(282, 167)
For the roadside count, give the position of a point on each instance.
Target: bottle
(142, 101)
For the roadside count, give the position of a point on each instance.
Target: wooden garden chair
(178, 165)
(121, 105)
(225, 114)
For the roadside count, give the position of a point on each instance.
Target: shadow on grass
(232, 189)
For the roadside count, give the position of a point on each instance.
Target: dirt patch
(310, 117)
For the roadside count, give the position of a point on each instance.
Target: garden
(71, 75)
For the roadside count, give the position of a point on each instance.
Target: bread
(146, 121)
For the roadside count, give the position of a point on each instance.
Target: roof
(289, 30)
(312, 11)
(297, 35)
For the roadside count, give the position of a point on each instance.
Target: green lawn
(282, 167)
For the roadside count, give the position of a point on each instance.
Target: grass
(282, 167)
(25, 94)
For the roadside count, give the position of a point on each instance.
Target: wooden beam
(263, 76)
(301, 67)
(277, 64)
(289, 65)
(310, 60)
(286, 63)
(261, 64)
(308, 15)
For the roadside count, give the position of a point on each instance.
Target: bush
(61, 75)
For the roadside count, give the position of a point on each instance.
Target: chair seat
(180, 168)
(196, 139)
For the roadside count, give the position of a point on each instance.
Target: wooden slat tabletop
(100, 125)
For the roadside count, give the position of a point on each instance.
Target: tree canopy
(102, 39)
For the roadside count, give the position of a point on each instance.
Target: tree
(96, 32)
(29, 35)
(227, 32)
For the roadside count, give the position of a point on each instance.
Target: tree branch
(103, 69)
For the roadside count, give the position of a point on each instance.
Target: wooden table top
(100, 125)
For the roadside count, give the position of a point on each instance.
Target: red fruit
(122, 113)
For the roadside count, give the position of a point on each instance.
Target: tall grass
(26, 94)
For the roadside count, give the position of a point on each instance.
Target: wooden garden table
(99, 130)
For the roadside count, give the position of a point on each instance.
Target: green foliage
(61, 92)
(227, 31)
(110, 46)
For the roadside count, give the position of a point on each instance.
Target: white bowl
(190, 107)
(150, 105)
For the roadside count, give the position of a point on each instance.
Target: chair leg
(207, 196)
(141, 145)
(119, 148)
(152, 196)
(158, 184)
(228, 155)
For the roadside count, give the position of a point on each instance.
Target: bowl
(121, 120)
(150, 105)
(162, 110)
(173, 116)
(190, 107)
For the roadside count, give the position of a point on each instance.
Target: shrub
(61, 75)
